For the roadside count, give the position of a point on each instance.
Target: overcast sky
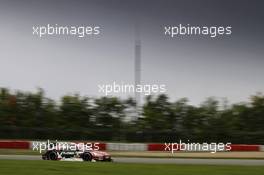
(193, 67)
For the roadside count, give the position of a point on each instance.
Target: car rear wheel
(52, 155)
(87, 157)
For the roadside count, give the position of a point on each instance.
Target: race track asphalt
(246, 162)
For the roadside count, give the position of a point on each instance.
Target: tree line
(31, 115)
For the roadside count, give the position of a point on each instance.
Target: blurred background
(49, 86)
(28, 115)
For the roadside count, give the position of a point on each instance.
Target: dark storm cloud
(195, 67)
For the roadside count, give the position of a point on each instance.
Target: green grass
(29, 167)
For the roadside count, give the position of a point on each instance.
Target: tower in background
(137, 68)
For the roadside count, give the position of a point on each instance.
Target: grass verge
(26, 167)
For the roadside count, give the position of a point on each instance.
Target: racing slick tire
(52, 155)
(87, 157)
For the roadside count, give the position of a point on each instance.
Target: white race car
(83, 155)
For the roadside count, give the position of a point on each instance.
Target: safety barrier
(22, 144)
(13, 144)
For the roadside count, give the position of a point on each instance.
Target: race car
(82, 155)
